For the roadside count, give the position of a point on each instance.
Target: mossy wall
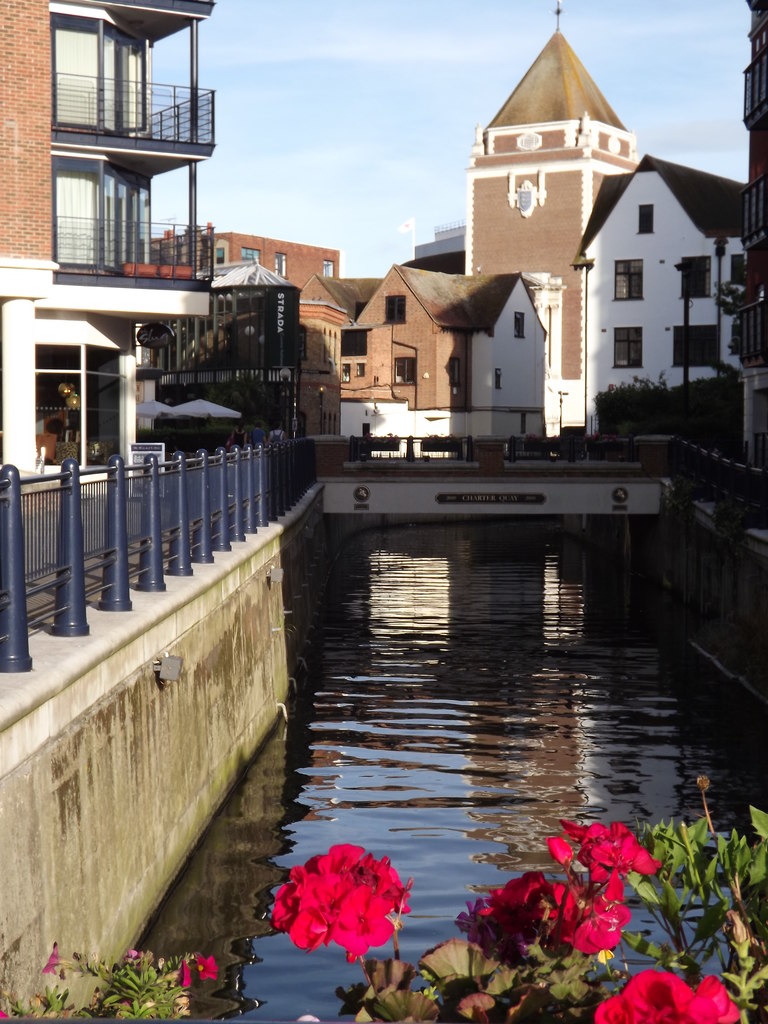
(98, 818)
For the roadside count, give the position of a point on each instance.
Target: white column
(17, 328)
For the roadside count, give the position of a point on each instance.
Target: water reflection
(467, 688)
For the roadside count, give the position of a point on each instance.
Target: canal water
(465, 687)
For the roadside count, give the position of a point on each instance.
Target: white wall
(495, 411)
(661, 308)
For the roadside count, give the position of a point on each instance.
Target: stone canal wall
(108, 774)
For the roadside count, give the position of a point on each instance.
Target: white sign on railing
(141, 448)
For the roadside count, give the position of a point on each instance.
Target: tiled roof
(460, 302)
(556, 87)
(351, 293)
(713, 203)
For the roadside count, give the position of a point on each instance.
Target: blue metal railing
(91, 534)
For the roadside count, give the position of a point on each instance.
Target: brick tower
(531, 184)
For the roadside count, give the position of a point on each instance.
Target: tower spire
(557, 12)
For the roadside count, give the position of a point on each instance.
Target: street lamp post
(685, 268)
(562, 394)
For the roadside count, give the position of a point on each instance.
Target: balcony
(85, 246)
(754, 348)
(756, 93)
(754, 222)
(118, 114)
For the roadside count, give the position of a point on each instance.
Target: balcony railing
(753, 341)
(137, 249)
(756, 93)
(165, 113)
(754, 222)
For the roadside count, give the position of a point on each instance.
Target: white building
(644, 226)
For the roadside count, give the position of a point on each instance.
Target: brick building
(82, 265)
(533, 177)
(754, 322)
(428, 353)
(294, 261)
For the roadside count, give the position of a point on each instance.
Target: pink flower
(206, 967)
(658, 997)
(185, 978)
(559, 850)
(53, 960)
(363, 922)
(3, 1014)
(346, 896)
(604, 849)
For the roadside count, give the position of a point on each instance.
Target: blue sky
(336, 122)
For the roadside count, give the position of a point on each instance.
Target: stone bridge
(487, 483)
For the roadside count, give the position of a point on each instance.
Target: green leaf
(457, 958)
(759, 821)
(402, 1006)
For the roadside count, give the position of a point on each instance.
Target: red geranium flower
(659, 997)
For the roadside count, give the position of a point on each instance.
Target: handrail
(410, 449)
(92, 533)
(718, 477)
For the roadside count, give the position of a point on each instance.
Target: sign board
(282, 326)
(139, 449)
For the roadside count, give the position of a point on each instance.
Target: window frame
(702, 344)
(394, 309)
(519, 329)
(629, 341)
(699, 277)
(645, 219)
(628, 278)
(405, 370)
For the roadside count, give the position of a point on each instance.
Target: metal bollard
(180, 561)
(202, 551)
(220, 530)
(14, 639)
(70, 617)
(151, 558)
(115, 579)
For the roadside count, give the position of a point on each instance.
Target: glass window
(247, 253)
(354, 343)
(702, 345)
(219, 253)
(394, 312)
(628, 346)
(699, 277)
(280, 263)
(645, 219)
(454, 371)
(327, 268)
(360, 369)
(76, 76)
(497, 378)
(628, 282)
(346, 372)
(519, 325)
(405, 370)
(77, 216)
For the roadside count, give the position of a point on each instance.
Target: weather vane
(557, 12)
